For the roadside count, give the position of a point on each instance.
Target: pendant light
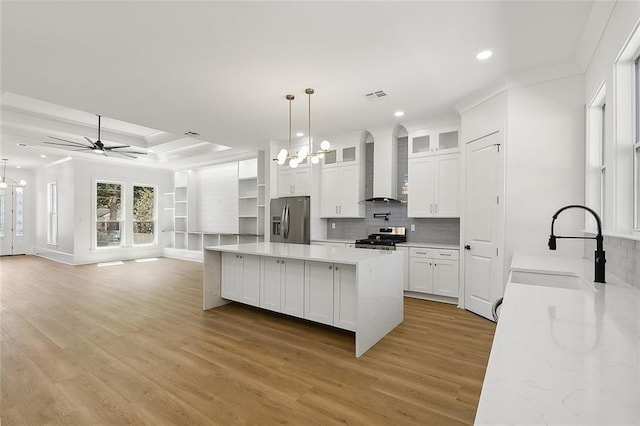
(306, 150)
(6, 181)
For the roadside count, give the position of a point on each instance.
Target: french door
(13, 238)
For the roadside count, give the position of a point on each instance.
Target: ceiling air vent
(192, 134)
(375, 96)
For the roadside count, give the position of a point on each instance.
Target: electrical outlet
(413, 227)
(333, 225)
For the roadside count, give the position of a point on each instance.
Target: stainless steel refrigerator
(290, 220)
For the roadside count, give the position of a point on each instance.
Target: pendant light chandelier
(10, 182)
(306, 150)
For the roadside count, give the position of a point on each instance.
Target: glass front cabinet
(434, 141)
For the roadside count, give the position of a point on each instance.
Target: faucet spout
(599, 258)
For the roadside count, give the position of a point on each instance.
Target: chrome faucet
(600, 259)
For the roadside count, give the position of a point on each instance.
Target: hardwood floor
(129, 344)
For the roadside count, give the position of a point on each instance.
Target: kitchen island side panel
(212, 282)
(380, 299)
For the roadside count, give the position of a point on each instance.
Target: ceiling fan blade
(90, 141)
(125, 154)
(68, 145)
(117, 147)
(130, 152)
(68, 142)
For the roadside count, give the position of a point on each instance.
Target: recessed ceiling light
(43, 156)
(299, 134)
(399, 113)
(18, 167)
(485, 54)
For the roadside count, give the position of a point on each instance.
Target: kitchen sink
(549, 280)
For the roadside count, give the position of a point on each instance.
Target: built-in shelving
(189, 241)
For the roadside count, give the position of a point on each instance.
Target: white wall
(62, 174)
(85, 175)
(544, 166)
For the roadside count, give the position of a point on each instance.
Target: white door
(12, 224)
(484, 222)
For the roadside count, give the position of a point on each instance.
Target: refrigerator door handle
(285, 221)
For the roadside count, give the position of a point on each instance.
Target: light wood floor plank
(130, 344)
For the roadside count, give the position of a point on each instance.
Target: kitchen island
(566, 350)
(359, 290)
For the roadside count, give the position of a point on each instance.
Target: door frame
(500, 241)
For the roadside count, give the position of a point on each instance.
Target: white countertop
(349, 256)
(429, 245)
(564, 356)
(326, 240)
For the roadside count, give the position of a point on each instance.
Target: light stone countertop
(429, 245)
(326, 240)
(564, 356)
(348, 256)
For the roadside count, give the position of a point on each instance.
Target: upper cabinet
(294, 182)
(342, 181)
(432, 141)
(342, 155)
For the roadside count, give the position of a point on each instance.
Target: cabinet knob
(277, 261)
(330, 266)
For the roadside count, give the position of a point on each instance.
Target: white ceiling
(222, 69)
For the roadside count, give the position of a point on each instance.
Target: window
(2, 200)
(52, 210)
(636, 148)
(108, 214)
(603, 166)
(144, 215)
(596, 170)
(19, 213)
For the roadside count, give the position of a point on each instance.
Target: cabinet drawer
(419, 252)
(445, 254)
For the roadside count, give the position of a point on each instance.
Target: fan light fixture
(306, 150)
(10, 182)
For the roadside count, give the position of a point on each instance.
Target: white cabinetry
(436, 140)
(341, 191)
(241, 278)
(433, 271)
(330, 294)
(282, 286)
(342, 155)
(294, 182)
(434, 186)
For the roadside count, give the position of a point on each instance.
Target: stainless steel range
(383, 238)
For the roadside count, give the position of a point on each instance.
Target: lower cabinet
(318, 291)
(433, 271)
(282, 286)
(330, 294)
(241, 278)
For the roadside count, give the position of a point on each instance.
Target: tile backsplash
(436, 230)
(623, 258)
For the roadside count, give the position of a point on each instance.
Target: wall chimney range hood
(385, 163)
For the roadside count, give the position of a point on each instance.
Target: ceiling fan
(97, 146)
